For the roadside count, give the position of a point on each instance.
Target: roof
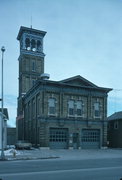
(115, 116)
(82, 82)
(5, 112)
(73, 82)
(80, 79)
(30, 30)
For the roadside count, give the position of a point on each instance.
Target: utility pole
(2, 109)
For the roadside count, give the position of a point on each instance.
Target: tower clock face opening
(32, 44)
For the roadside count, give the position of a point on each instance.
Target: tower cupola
(31, 41)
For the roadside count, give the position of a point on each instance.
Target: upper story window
(79, 108)
(27, 43)
(39, 45)
(97, 109)
(71, 107)
(32, 44)
(52, 106)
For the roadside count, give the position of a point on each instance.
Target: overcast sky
(84, 37)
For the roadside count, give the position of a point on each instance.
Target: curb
(29, 158)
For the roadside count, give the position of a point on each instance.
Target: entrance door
(75, 140)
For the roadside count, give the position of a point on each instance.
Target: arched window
(33, 45)
(38, 45)
(52, 106)
(27, 43)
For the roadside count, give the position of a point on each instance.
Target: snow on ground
(62, 154)
(10, 152)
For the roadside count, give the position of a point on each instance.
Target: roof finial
(31, 21)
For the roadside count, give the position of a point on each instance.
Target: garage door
(58, 138)
(90, 139)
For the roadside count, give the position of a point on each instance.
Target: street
(90, 169)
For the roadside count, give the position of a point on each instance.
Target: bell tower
(31, 66)
(31, 59)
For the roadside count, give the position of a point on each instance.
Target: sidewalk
(63, 154)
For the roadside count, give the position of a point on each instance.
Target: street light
(2, 148)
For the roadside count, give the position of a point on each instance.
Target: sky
(84, 37)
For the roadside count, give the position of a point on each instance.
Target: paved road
(97, 169)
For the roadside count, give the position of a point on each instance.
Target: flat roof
(31, 30)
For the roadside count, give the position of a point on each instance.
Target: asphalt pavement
(45, 164)
(56, 169)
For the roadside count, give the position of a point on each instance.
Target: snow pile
(11, 152)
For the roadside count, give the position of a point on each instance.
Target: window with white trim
(96, 109)
(71, 107)
(79, 108)
(52, 106)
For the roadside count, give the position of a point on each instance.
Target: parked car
(23, 145)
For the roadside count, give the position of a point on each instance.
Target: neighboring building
(11, 136)
(115, 130)
(71, 113)
(5, 116)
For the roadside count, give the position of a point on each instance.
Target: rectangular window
(52, 106)
(79, 107)
(71, 108)
(97, 109)
(51, 110)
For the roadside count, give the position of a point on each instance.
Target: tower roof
(30, 30)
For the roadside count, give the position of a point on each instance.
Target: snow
(11, 152)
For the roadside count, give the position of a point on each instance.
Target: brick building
(71, 113)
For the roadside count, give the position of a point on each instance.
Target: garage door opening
(58, 138)
(90, 139)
